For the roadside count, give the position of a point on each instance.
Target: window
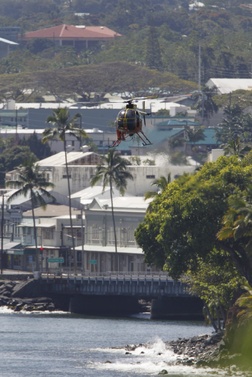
(48, 234)
(95, 234)
(64, 176)
(150, 176)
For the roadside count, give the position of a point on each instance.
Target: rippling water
(65, 345)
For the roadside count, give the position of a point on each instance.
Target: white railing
(107, 275)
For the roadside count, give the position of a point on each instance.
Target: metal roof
(51, 210)
(226, 86)
(122, 203)
(58, 159)
(210, 138)
(111, 249)
(11, 245)
(6, 41)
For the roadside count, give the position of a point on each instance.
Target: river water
(66, 345)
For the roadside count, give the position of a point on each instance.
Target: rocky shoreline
(8, 290)
(204, 351)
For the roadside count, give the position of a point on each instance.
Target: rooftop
(80, 32)
(122, 203)
(58, 159)
(226, 86)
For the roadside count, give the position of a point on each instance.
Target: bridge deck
(123, 285)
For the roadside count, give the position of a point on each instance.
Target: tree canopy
(179, 35)
(181, 225)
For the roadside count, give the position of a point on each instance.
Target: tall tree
(153, 51)
(113, 173)
(63, 125)
(32, 184)
(204, 103)
(237, 231)
(36, 146)
(234, 132)
(12, 156)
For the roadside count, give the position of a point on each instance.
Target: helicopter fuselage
(129, 121)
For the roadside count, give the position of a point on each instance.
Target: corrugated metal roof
(125, 203)
(51, 210)
(11, 245)
(111, 249)
(226, 86)
(59, 158)
(177, 123)
(6, 41)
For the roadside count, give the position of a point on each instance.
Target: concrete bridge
(113, 294)
(120, 294)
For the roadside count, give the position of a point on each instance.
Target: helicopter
(129, 122)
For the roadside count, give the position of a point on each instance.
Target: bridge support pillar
(177, 308)
(104, 305)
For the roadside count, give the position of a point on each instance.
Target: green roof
(209, 139)
(177, 123)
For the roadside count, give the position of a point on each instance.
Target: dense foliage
(199, 226)
(164, 36)
(183, 221)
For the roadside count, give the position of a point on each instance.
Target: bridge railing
(108, 275)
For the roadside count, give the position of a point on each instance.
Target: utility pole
(199, 69)
(199, 83)
(2, 229)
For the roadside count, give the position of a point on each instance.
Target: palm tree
(63, 125)
(113, 172)
(33, 184)
(161, 184)
(236, 232)
(204, 102)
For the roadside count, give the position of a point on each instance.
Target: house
(13, 214)
(102, 254)
(78, 36)
(54, 238)
(100, 139)
(95, 249)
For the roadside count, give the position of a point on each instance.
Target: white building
(82, 167)
(225, 86)
(101, 253)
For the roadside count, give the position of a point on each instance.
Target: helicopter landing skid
(144, 139)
